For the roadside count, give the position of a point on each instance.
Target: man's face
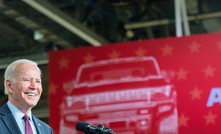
(25, 91)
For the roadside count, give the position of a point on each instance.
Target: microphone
(89, 129)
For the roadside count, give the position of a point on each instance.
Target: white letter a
(214, 97)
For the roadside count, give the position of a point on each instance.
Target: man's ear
(9, 86)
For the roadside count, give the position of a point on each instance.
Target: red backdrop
(194, 61)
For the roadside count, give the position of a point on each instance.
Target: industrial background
(32, 28)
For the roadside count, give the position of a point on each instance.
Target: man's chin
(31, 105)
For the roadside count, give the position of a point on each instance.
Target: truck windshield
(117, 71)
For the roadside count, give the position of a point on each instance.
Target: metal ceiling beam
(67, 22)
(137, 25)
(12, 11)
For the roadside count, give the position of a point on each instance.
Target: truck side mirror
(168, 75)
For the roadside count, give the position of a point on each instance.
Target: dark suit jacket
(8, 125)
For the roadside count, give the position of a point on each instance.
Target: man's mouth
(31, 94)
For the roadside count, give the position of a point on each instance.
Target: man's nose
(33, 84)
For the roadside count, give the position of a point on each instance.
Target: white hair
(10, 71)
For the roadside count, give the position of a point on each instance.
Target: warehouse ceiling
(32, 28)
(29, 27)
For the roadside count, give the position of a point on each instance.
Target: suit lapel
(10, 120)
(11, 124)
(37, 125)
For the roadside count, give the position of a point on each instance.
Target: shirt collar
(17, 113)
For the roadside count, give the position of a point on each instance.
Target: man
(23, 87)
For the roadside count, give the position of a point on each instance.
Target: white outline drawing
(128, 95)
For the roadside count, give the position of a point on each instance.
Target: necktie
(28, 129)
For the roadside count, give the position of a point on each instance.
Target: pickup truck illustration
(128, 95)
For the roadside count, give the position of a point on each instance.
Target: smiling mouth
(30, 94)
